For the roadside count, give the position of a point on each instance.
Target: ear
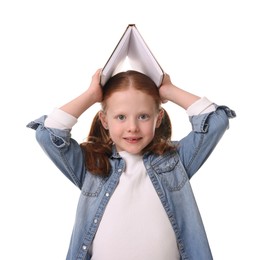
(102, 117)
(160, 117)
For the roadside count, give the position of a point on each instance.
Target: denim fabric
(169, 173)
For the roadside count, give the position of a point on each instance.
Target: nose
(133, 126)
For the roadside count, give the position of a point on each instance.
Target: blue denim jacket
(169, 173)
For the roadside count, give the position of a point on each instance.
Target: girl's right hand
(95, 87)
(92, 95)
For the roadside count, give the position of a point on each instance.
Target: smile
(132, 140)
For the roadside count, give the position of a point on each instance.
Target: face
(131, 117)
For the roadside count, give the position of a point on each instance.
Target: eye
(121, 117)
(144, 117)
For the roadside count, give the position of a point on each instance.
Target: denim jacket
(169, 174)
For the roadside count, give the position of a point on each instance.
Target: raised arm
(91, 96)
(170, 92)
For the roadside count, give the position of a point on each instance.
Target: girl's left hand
(165, 88)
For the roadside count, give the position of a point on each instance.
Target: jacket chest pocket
(92, 185)
(171, 172)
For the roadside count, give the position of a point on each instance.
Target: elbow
(218, 121)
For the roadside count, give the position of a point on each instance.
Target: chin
(132, 150)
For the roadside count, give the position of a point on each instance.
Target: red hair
(98, 146)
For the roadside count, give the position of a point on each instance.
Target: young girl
(136, 201)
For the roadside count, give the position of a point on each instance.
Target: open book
(132, 47)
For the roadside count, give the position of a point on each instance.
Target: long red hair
(98, 146)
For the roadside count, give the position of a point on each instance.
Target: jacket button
(107, 194)
(95, 221)
(84, 247)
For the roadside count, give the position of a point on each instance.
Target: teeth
(132, 139)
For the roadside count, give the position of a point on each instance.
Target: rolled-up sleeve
(64, 151)
(207, 130)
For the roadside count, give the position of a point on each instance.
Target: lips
(132, 139)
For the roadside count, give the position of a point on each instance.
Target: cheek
(150, 128)
(114, 130)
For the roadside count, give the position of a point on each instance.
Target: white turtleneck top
(135, 224)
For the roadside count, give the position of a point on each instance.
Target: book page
(141, 58)
(117, 58)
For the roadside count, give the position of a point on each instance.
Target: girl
(136, 200)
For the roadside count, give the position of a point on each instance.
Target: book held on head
(133, 50)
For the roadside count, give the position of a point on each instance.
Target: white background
(48, 53)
